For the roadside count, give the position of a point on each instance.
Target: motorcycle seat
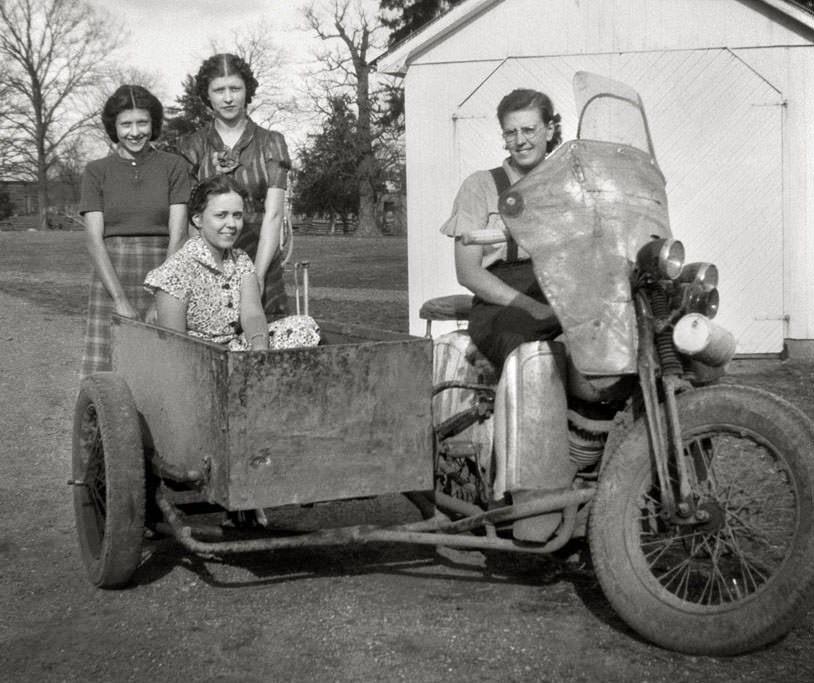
(453, 307)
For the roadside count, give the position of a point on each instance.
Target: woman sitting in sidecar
(208, 289)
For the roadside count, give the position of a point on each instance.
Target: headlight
(702, 273)
(662, 258)
(703, 340)
(694, 298)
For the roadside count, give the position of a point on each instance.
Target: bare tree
(353, 33)
(52, 51)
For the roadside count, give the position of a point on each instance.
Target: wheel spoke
(676, 577)
(95, 476)
(654, 550)
(745, 490)
(747, 563)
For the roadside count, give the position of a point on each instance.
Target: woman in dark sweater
(134, 208)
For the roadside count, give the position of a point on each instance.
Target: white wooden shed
(728, 86)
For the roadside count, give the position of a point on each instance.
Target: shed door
(717, 129)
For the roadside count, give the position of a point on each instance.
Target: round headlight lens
(671, 259)
(662, 258)
(700, 272)
(713, 299)
(693, 298)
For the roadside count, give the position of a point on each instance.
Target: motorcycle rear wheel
(740, 580)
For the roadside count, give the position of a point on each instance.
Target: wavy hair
(220, 65)
(208, 187)
(525, 98)
(129, 97)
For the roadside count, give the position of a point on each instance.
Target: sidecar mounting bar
(435, 531)
(547, 503)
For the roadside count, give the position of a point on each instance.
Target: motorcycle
(700, 529)
(697, 498)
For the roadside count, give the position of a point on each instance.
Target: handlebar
(492, 236)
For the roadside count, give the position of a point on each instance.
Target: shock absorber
(659, 304)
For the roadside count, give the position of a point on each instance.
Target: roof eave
(397, 58)
(793, 11)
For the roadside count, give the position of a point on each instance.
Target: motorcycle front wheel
(739, 579)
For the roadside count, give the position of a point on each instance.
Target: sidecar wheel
(740, 580)
(108, 478)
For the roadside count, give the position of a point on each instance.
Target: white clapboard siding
(717, 131)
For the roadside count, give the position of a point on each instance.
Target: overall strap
(502, 184)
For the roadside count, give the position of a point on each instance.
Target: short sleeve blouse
(475, 208)
(211, 292)
(259, 160)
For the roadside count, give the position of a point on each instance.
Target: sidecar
(183, 428)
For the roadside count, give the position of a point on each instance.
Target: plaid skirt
(132, 259)
(275, 302)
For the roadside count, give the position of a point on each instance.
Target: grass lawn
(52, 269)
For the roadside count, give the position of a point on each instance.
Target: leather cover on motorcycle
(582, 215)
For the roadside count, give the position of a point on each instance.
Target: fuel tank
(531, 432)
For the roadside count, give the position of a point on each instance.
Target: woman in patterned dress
(134, 208)
(208, 288)
(257, 158)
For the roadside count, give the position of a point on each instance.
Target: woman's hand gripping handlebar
(491, 236)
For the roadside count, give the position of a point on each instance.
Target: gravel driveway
(383, 613)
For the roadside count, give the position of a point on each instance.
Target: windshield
(610, 111)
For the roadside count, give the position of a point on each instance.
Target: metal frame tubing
(435, 531)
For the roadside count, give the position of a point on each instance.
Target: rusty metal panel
(330, 422)
(177, 383)
(346, 419)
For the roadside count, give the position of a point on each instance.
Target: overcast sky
(171, 37)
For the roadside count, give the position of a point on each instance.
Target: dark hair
(220, 65)
(129, 97)
(525, 98)
(213, 185)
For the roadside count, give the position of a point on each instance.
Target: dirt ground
(383, 613)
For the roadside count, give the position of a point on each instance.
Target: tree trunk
(367, 167)
(367, 209)
(42, 159)
(42, 191)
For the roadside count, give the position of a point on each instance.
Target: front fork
(665, 439)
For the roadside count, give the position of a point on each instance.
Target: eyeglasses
(527, 132)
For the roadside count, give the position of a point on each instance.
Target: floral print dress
(212, 295)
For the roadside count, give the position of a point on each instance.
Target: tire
(108, 474)
(739, 581)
